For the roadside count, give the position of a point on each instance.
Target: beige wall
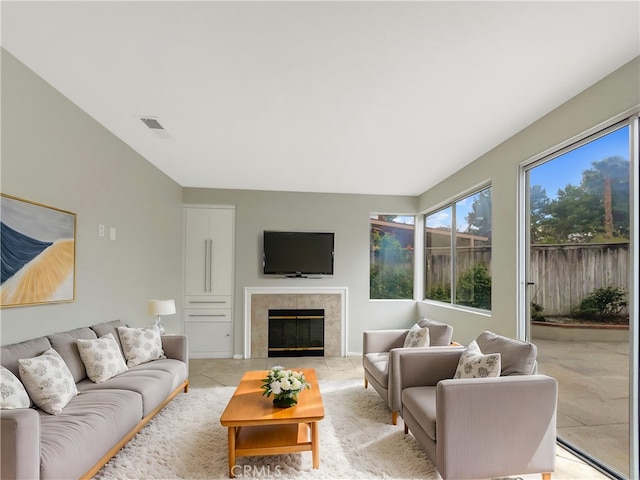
(53, 153)
(345, 215)
(610, 97)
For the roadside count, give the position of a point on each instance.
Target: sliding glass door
(578, 271)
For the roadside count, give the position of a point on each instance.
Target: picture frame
(38, 253)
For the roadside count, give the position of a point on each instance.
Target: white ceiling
(353, 97)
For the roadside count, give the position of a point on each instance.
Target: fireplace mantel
(312, 293)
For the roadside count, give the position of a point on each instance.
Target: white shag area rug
(357, 440)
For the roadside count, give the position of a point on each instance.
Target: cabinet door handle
(210, 265)
(205, 264)
(207, 315)
(204, 301)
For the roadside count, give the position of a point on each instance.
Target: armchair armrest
(425, 367)
(20, 443)
(382, 340)
(484, 422)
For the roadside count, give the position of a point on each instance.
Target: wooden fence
(562, 274)
(565, 274)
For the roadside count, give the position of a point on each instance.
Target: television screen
(297, 253)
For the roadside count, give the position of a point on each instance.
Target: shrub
(603, 303)
(439, 292)
(474, 287)
(390, 282)
(536, 313)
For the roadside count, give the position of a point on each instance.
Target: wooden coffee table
(256, 427)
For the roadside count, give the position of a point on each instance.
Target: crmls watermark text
(256, 472)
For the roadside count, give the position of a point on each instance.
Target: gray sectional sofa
(96, 422)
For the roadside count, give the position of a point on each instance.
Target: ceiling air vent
(155, 126)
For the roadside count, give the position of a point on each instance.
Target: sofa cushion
(517, 357)
(154, 386)
(48, 381)
(12, 392)
(377, 364)
(102, 329)
(474, 364)
(102, 358)
(176, 368)
(65, 344)
(421, 403)
(10, 354)
(417, 337)
(440, 334)
(140, 345)
(89, 426)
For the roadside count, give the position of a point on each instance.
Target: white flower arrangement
(284, 383)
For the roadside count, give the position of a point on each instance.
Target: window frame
(451, 204)
(414, 260)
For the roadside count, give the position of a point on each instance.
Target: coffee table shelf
(273, 439)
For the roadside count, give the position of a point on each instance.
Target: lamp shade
(162, 307)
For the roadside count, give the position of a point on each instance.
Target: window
(458, 247)
(391, 251)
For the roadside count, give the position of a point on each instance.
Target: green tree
(539, 215)
(596, 210)
(479, 217)
(608, 179)
(573, 215)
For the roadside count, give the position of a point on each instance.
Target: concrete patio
(593, 404)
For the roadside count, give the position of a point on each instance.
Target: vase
(285, 402)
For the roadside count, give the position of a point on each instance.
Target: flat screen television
(297, 254)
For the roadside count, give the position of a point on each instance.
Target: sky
(567, 168)
(553, 175)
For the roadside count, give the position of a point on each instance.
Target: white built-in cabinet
(208, 287)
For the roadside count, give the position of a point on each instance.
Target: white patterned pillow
(12, 392)
(101, 357)
(474, 364)
(140, 345)
(48, 380)
(417, 337)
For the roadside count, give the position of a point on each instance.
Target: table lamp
(161, 307)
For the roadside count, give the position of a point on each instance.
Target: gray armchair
(481, 427)
(381, 350)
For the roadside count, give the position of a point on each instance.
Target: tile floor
(227, 372)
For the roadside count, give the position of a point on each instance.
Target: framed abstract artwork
(38, 253)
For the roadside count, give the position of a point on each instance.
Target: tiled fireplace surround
(259, 300)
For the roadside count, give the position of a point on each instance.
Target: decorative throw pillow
(473, 364)
(12, 392)
(102, 358)
(417, 337)
(140, 345)
(440, 334)
(48, 380)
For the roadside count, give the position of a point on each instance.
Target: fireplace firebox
(296, 333)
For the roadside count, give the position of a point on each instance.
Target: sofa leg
(366, 382)
(394, 418)
(546, 476)
(406, 428)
